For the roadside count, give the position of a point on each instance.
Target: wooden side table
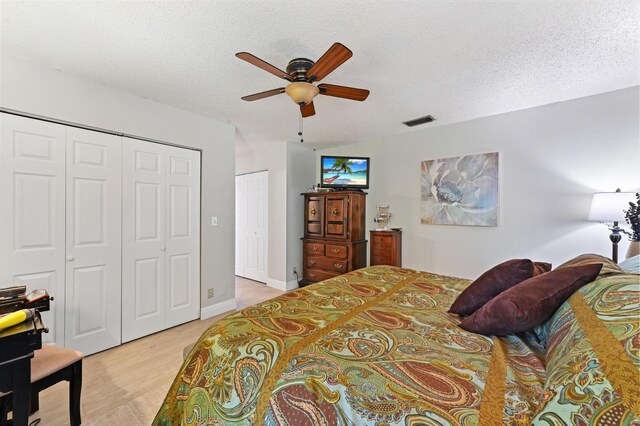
(386, 248)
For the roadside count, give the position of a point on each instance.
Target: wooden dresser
(334, 234)
(386, 248)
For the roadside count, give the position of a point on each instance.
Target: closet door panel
(93, 228)
(32, 236)
(256, 226)
(182, 236)
(143, 244)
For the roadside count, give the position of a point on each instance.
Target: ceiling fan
(301, 73)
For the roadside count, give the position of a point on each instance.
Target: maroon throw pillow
(529, 303)
(541, 268)
(490, 284)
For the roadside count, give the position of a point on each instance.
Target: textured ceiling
(456, 60)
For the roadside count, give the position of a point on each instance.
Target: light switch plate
(214, 220)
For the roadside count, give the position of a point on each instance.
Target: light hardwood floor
(125, 385)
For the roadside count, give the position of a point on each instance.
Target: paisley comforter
(375, 347)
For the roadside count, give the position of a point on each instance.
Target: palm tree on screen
(342, 165)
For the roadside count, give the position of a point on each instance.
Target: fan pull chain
(300, 129)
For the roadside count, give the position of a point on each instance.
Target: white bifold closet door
(161, 241)
(60, 226)
(252, 225)
(93, 233)
(32, 211)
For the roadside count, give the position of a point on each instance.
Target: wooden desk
(17, 344)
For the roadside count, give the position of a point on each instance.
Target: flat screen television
(344, 172)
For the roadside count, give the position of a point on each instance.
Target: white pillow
(631, 265)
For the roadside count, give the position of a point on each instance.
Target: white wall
(301, 172)
(291, 169)
(552, 159)
(37, 90)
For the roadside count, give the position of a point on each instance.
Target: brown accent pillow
(609, 267)
(541, 268)
(529, 303)
(490, 284)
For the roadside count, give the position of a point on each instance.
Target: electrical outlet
(210, 293)
(294, 270)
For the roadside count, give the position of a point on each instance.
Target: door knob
(162, 248)
(71, 258)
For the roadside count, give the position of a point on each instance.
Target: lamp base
(615, 238)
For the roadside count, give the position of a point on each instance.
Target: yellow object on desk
(15, 318)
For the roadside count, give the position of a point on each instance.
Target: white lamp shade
(609, 206)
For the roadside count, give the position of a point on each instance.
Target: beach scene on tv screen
(344, 171)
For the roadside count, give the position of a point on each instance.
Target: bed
(376, 346)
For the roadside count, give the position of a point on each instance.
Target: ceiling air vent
(418, 121)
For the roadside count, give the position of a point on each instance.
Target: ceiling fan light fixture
(302, 93)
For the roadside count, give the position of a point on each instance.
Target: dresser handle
(338, 265)
(335, 212)
(313, 212)
(312, 262)
(315, 248)
(335, 250)
(312, 275)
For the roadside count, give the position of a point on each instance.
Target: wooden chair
(51, 365)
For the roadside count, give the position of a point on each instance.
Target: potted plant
(632, 217)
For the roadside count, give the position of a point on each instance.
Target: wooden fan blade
(254, 60)
(308, 110)
(262, 95)
(332, 59)
(343, 92)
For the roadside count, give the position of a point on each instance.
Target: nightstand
(386, 248)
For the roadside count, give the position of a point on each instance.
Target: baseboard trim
(292, 285)
(281, 285)
(218, 308)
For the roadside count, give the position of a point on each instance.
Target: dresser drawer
(382, 242)
(377, 253)
(336, 230)
(327, 264)
(314, 229)
(340, 252)
(315, 275)
(314, 249)
(380, 259)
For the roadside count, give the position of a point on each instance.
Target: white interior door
(143, 239)
(241, 229)
(93, 228)
(252, 224)
(32, 212)
(161, 238)
(182, 236)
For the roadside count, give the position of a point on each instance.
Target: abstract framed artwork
(460, 190)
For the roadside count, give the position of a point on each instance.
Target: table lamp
(607, 207)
